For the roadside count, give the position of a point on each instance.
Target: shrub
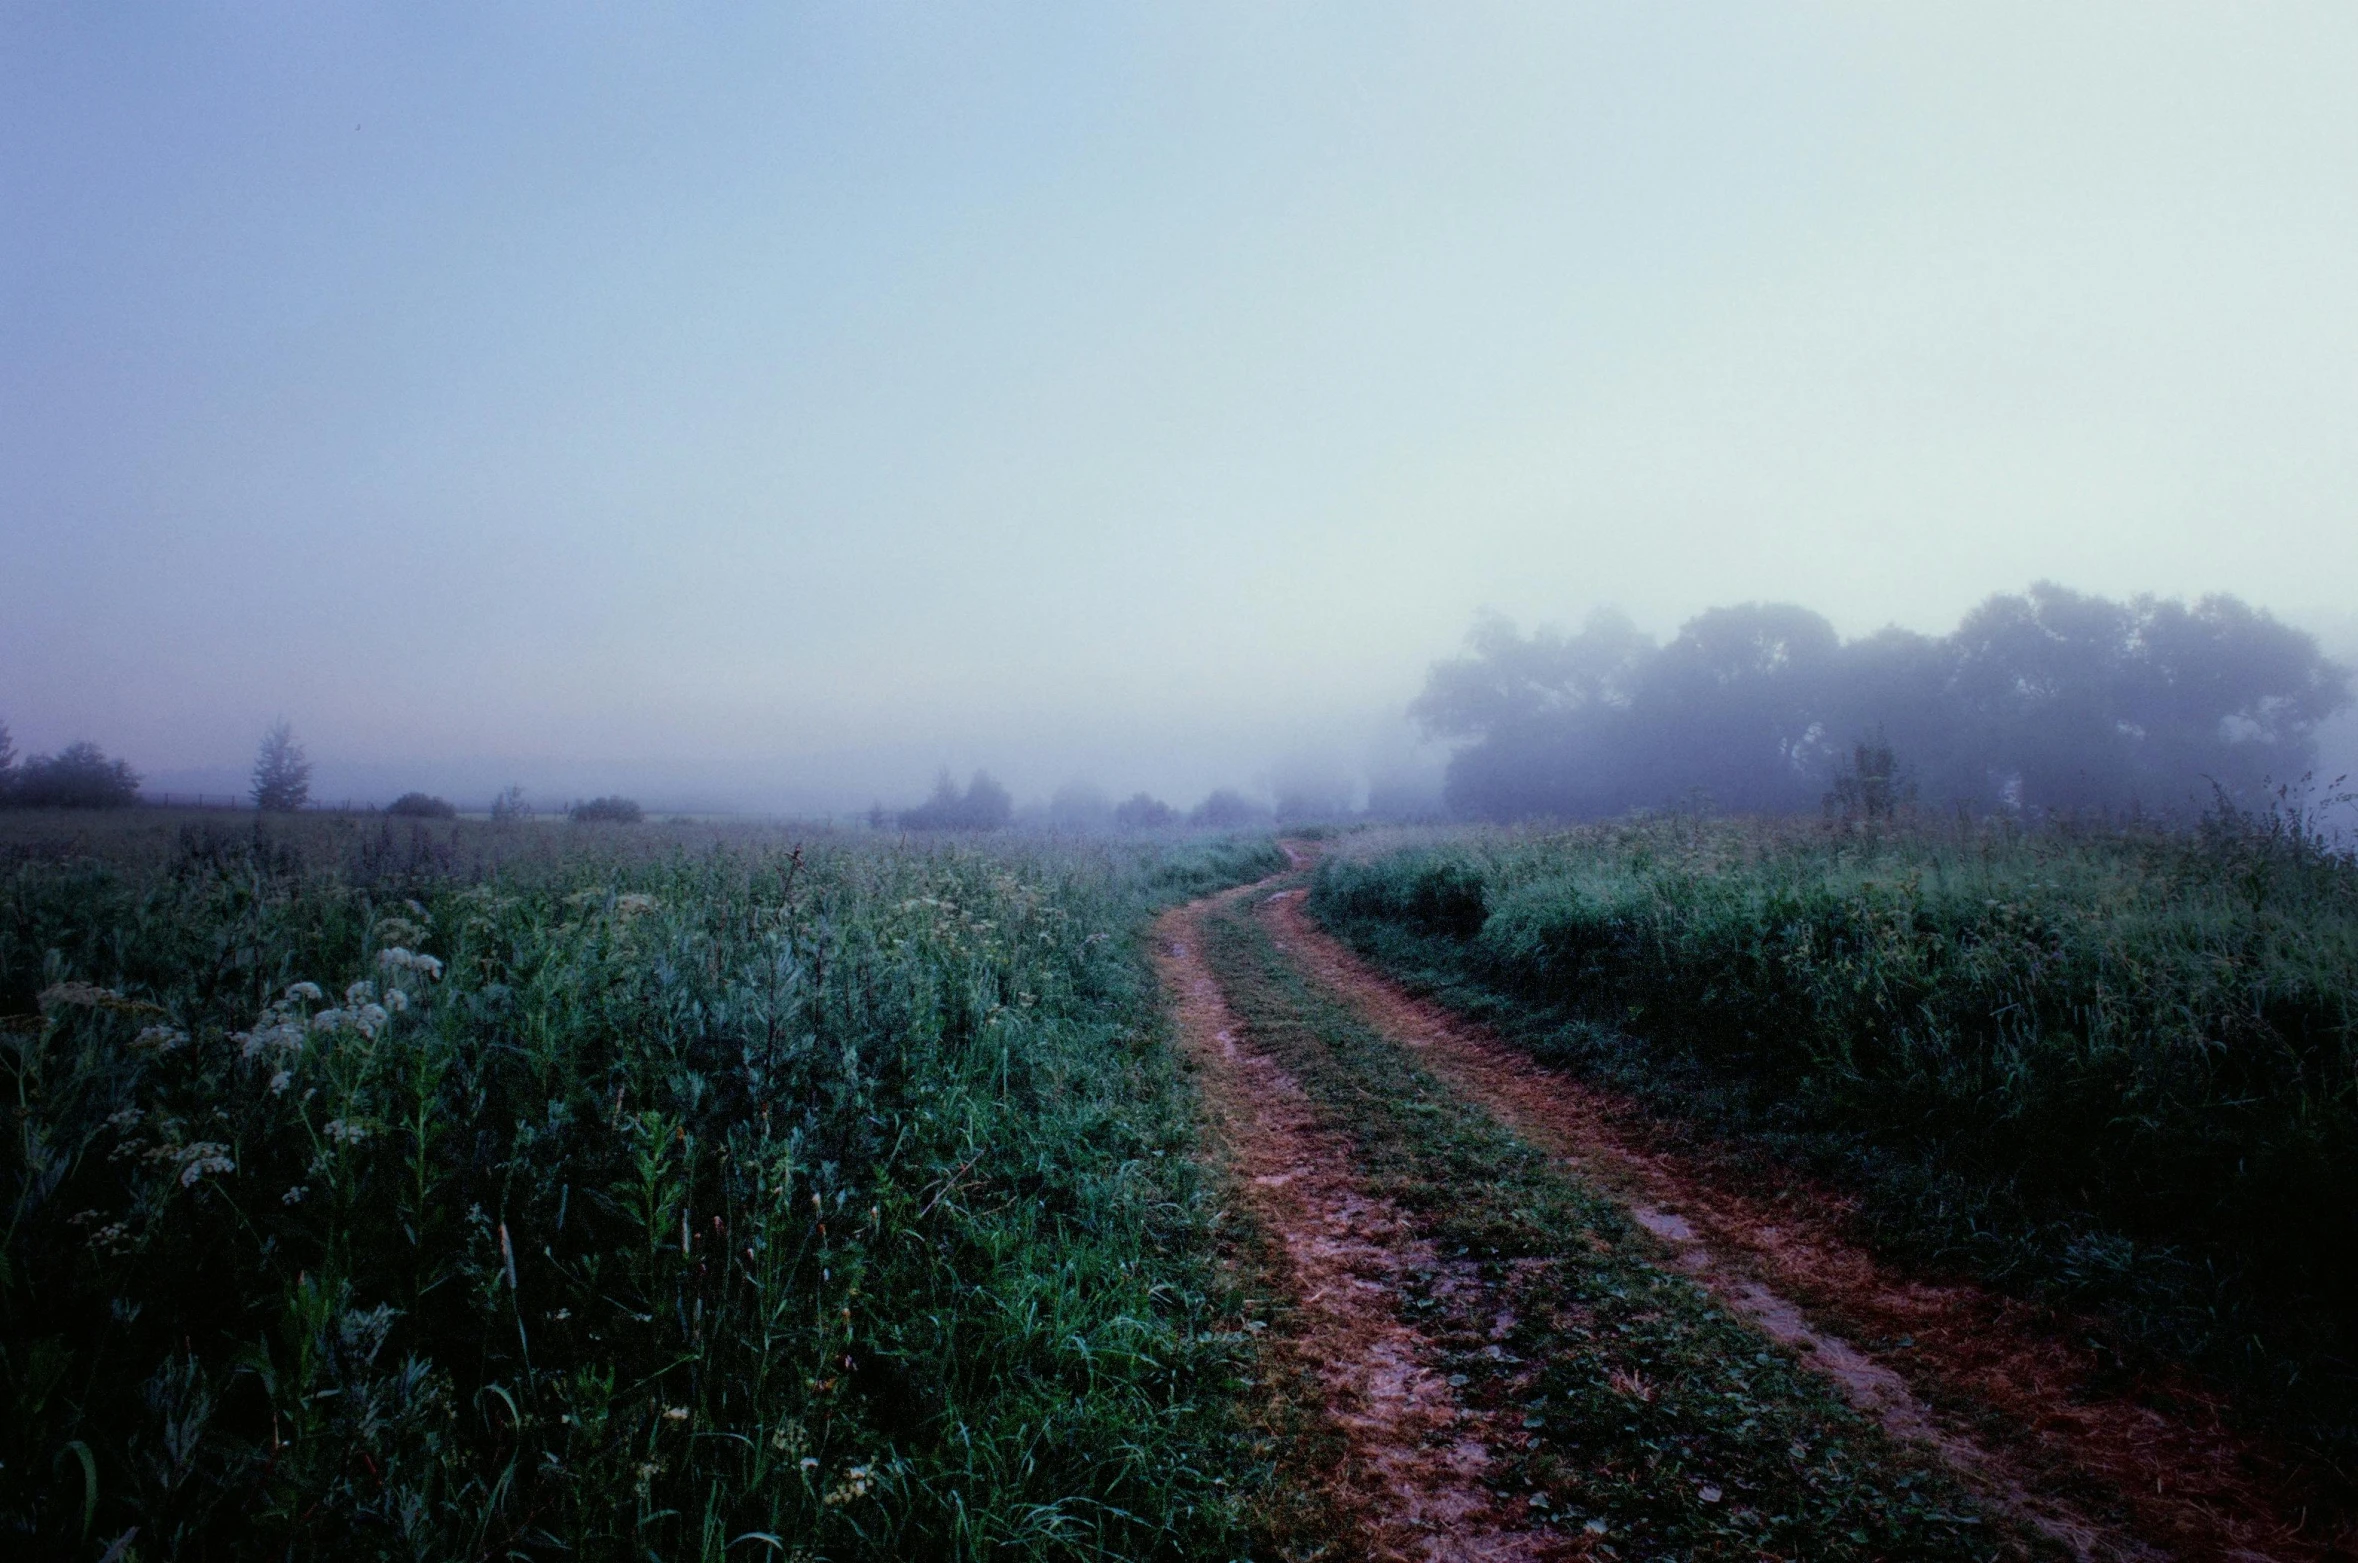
(76, 777)
(985, 806)
(419, 805)
(1144, 813)
(609, 810)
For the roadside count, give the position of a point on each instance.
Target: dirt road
(1978, 1384)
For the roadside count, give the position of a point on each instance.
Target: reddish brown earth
(1411, 1476)
(2002, 1390)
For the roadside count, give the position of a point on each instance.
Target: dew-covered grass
(453, 1192)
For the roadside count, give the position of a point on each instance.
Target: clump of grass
(826, 1203)
(2113, 1068)
(1657, 1422)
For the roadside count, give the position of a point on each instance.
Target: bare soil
(2009, 1395)
(1412, 1474)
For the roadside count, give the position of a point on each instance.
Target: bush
(609, 810)
(76, 777)
(1144, 813)
(985, 806)
(419, 805)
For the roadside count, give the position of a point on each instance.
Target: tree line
(2047, 700)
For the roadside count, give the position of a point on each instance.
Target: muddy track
(1412, 1473)
(1988, 1383)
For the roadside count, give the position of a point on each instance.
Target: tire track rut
(1412, 1475)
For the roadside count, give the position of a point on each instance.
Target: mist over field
(768, 412)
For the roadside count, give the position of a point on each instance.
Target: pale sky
(770, 405)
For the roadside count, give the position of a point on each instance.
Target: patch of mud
(2108, 1475)
(1414, 1471)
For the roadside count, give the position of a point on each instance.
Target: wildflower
(397, 930)
(199, 1157)
(360, 992)
(159, 1039)
(305, 990)
(808, 1463)
(280, 1081)
(675, 1414)
(328, 1020)
(294, 1196)
(396, 1000)
(125, 1119)
(399, 959)
(345, 1133)
(113, 1238)
(854, 1485)
(369, 1019)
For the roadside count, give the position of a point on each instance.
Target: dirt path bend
(2019, 1413)
(1412, 1474)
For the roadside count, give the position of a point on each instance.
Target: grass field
(2114, 1069)
(457, 1190)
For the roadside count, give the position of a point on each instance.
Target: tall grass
(826, 1203)
(2118, 1069)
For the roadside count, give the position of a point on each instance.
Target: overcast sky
(773, 403)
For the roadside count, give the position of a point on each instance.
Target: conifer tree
(282, 772)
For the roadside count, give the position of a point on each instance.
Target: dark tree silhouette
(984, 805)
(610, 810)
(2050, 700)
(282, 772)
(419, 805)
(1144, 812)
(76, 777)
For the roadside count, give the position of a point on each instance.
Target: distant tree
(1144, 812)
(418, 805)
(76, 777)
(985, 805)
(878, 819)
(1872, 787)
(1079, 806)
(2049, 700)
(607, 811)
(1226, 809)
(7, 765)
(510, 804)
(282, 773)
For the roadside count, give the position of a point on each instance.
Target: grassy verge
(2118, 1071)
(1658, 1424)
(831, 1202)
